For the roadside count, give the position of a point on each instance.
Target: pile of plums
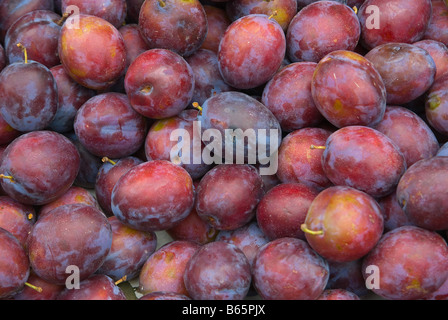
(128, 167)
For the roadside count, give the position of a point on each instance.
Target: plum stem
(162, 3)
(355, 9)
(25, 53)
(10, 178)
(121, 280)
(317, 147)
(30, 216)
(273, 15)
(305, 229)
(147, 89)
(197, 106)
(38, 289)
(64, 17)
(106, 159)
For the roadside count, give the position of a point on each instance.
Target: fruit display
(224, 150)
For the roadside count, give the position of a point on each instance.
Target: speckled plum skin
(14, 265)
(393, 214)
(96, 287)
(228, 194)
(283, 209)
(129, 251)
(164, 270)
(164, 296)
(320, 28)
(134, 42)
(16, 218)
(413, 263)
(98, 65)
(413, 137)
(347, 276)
(153, 196)
(51, 172)
(438, 24)
(288, 96)
(363, 158)
(288, 269)
(29, 97)
(73, 234)
(282, 10)
(438, 52)
(108, 126)
(218, 271)
(348, 90)
(177, 25)
(436, 105)
(12, 10)
(113, 11)
(407, 70)
(218, 21)
(422, 193)
(297, 162)
(251, 51)
(38, 31)
(49, 291)
(402, 21)
(351, 222)
(108, 175)
(338, 294)
(159, 83)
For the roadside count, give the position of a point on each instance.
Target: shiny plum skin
(410, 133)
(108, 126)
(350, 220)
(29, 98)
(363, 158)
(52, 171)
(288, 269)
(348, 90)
(288, 96)
(403, 21)
(412, 263)
(248, 238)
(321, 28)
(338, 294)
(207, 78)
(438, 52)
(113, 11)
(218, 271)
(153, 196)
(12, 10)
(134, 42)
(164, 270)
(407, 70)
(49, 291)
(16, 218)
(14, 265)
(180, 26)
(347, 276)
(164, 296)
(38, 31)
(297, 162)
(422, 193)
(228, 195)
(108, 175)
(282, 10)
(251, 51)
(436, 105)
(438, 25)
(101, 63)
(159, 83)
(283, 209)
(70, 235)
(393, 214)
(71, 98)
(129, 251)
(217, 21)
(96, 287)
(159, 145)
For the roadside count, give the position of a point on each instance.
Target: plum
(17, 218)
(363, 158)
(343, 224)
(338, 294)
(438, 52)
(177, 25)
(96, 287)
(412, 263)
(393, 214)
(153, 196)
(348, 90)
(73, 235)
(436, 106)
(218, 271)
(38, 167)
(320, 28)
(218, 21)
(97, 65)
(164, 270)
(134, 42)
(251, 51)
(438, 24)
(159, 83)
(46, 291)
(407, 70)
(288, 269)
